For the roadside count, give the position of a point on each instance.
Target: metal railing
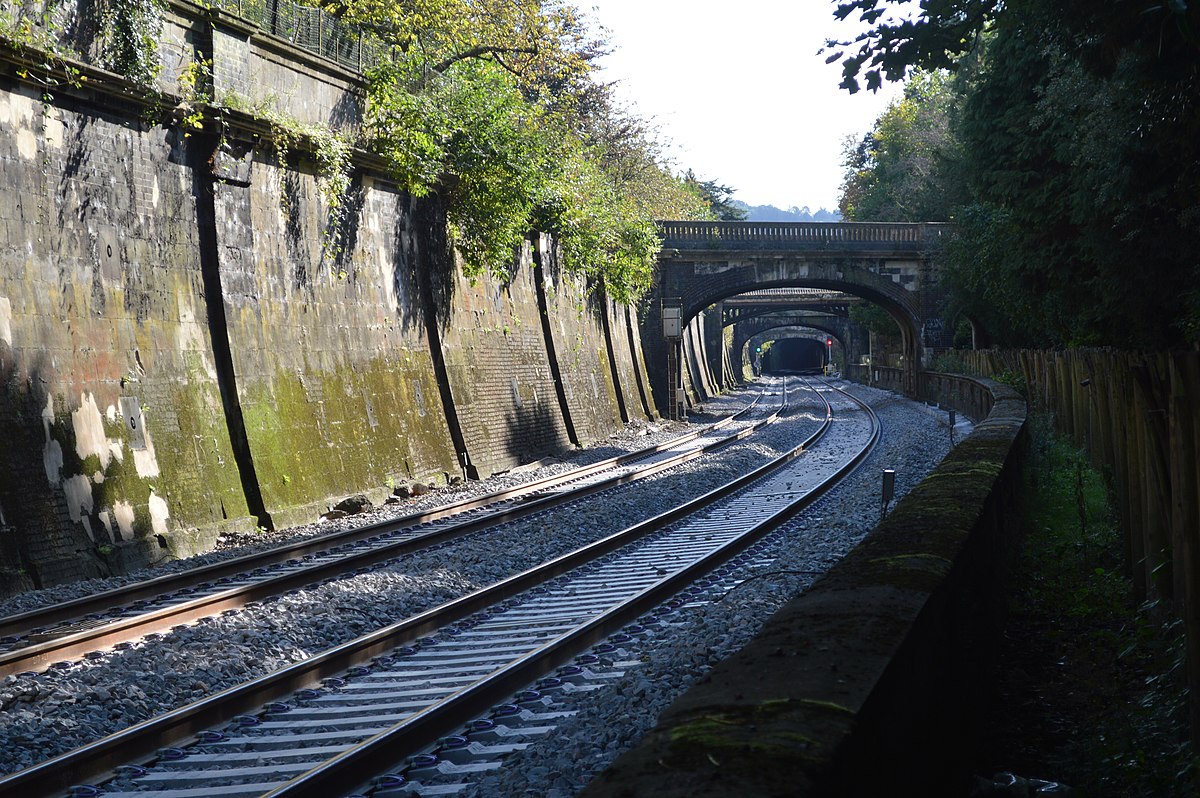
(900, 235)
(310, 29)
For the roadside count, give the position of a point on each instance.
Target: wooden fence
(1138, 417)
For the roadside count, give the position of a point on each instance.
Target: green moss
(829, 705)
(930, 563)
(312, 437)
(739, 739)
(201, 445)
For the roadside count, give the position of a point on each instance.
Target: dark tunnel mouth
(795, 355)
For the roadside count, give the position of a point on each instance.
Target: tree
(892, 48)
(718, 197)
(904, 170)
(1084, 174)
(493, 104)
(1079, 134)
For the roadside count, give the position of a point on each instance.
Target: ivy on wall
(492, 104)
(124, 34)
(131, 31)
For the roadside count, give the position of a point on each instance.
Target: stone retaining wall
(194, 340)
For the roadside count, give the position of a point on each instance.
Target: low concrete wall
(869, 683)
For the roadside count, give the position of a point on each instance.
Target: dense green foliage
(1065, 144)
(1090, 689)
(131, 30)
(890, 172)
(494, 106)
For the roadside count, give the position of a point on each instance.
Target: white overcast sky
(740, 92)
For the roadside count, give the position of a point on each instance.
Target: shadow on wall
(294, 237)
(422, 260)
(85, 27)
(341, 237)
(37, 543)
(347, 111)
(531, 433)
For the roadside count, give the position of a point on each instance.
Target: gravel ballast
(49, 714)
(610, 721)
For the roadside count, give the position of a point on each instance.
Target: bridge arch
(704, 263)
(841, 329)
(792, 347)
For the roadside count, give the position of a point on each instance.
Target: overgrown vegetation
(1064, 141)
(494, 105)
(1090, 686)
(130, 30)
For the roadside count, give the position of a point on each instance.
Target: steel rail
(386, 749)
(139, 741)
(25, 622)
(40, 656)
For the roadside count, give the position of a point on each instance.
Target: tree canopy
(1067, 144)
(719, 197)
(495, 105)
(899, 172)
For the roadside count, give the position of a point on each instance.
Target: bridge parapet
(891, 237)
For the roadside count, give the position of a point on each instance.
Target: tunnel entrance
(793, 355)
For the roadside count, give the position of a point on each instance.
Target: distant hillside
(769, 213)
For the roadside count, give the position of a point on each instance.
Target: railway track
(55, 635)
(367, 706)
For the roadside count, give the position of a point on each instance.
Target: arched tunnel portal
(848, 337)
(702, 264)
(794, 355)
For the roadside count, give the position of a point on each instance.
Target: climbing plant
(492, 104)
(195, 92)
(131, 31)
(332, 153)
(501, 117)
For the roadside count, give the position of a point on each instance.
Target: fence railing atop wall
(1135, 414)
(306, 27)
(310, 29)
(799, 235)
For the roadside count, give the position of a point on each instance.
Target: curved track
(432, 673)
(57, 634)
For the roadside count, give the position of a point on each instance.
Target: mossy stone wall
(328, 340)
(630, 370)
(499, 369)
(116, 447)
(195, 337)
(589, 388)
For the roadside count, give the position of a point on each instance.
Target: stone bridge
(751, 331)
(703, 264)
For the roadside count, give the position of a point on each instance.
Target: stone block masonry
(572, 322)
(111, 406)
(193, 341)
(627, 363)
(499, 370)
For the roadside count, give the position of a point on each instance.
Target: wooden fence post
(1185, 506)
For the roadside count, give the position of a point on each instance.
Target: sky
(739, 91)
